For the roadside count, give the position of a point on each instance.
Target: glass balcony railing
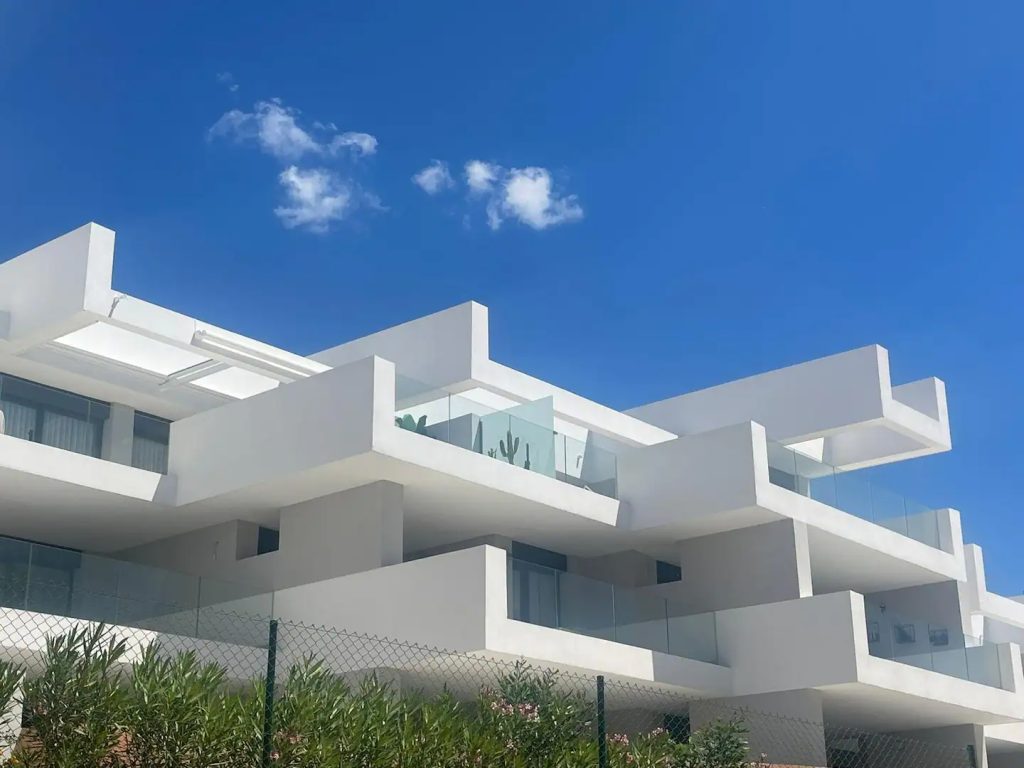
(63, 582)
(568, 601)
(931, 646)
(523, 435)
(801, 474)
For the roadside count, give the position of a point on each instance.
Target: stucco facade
(719, 542)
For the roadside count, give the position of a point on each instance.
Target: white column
(348, 532)
(119, 434)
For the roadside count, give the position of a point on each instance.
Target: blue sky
(683, 193)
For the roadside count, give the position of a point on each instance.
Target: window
(669, 572)
(267, 540)
(52, 416)
(149, 446)
(538, 556)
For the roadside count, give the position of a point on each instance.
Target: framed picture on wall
(938, 637)
(874, 634)
(905, 634)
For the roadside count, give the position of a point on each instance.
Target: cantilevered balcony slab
(79, 501)
(822, 643)
(721, 481)
(459, 601)
(841, 409)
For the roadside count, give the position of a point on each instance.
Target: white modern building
(405, 484)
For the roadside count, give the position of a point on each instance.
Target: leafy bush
(11, 676)
(175, 712)
(532, 718)
(76, 704)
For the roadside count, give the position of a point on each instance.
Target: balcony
(822, 482)
(551, 598)
(70, 422)
(65, 582)
(931, 646)
(523, 436)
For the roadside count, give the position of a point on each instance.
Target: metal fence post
(602, 726)
(268, 695)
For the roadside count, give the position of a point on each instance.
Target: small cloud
(360, 143)
(434, 178)
(316, 198)
(271, 125)
(528, 197)
(276, 129)
(480, 176)
(228, 80)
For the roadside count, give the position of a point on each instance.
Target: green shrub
(175, 714)
(534, 719)
(11, 676)
(76, 704)
(308, 717)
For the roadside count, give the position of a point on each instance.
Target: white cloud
(526, 195)
(276, 129)
(272, 125)
(316, 198)
(480, 176)
(360, 143)
(434, 178)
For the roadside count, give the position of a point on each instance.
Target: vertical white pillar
(119, 434)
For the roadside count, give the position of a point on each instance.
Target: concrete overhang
(841, 409)
(64, 325)
(459, 601)
(821, 642)
(451, 350)
(722, 478)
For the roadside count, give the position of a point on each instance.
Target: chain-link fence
(168, 686)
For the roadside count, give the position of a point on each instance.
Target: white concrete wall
(847, 399)
(937, 605)
(437, 349)
(291, 429)
(804, 643)
(51, 289)
(697, 484)
(438, 601)
(750, 566)
(355, 530)
(348, 532)
(119, 434)
(794, 403)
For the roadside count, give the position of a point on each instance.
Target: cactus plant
(492, 452)
(513, 447)
(413, 425)
(526, 464)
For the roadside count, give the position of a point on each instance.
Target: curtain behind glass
(20, 420)
(149, 454)
(70, 433)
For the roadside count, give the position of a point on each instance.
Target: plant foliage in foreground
(90, 708)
